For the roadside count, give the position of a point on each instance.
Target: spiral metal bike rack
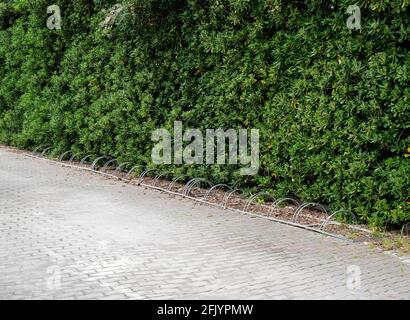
(192, 183)
(159, 176)
(121, 166)
(144, 174)
(215, 187)
(62, 156)
(175, 180)
(131, 171)
(76, 155)
(43, 153)
(346, 212)
(36, 150)
(228, 195)
(94, 164)
(312, 205)
(275, 204)
(254, 197)
(86, 158)
(105, 166)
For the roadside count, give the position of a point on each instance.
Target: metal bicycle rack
(131, 171)
(144, 174)
(346, 212)
(175, 180)
(94, 164)
(43, 153)
(35, 151)
(120, 167)
(105, 166)
(159, 176)
(215, 187)
(86, 158)
(62, 156)
(312, 205)
(76, 155)
(228, 195)
(275, 204)
(256, 196)
(192, 183)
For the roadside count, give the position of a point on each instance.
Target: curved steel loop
(93, 165)
(143, 175)
(251, 199)
(304, 206)
(279, 201)
(190, 185)
(105, 166)
(45, 151)
(325, 223)
(37, 148)
(158, 176)
(132, 170)
(229, 194)
(210, 184)
(85, 158)
(61, 158)
(73, 157)
(215, 187)
(176, 179)
(120, 166)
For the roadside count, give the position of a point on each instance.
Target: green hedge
(332, 104)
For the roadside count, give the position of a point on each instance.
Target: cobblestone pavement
(68, 234)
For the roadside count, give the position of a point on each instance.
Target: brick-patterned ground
(67, 234)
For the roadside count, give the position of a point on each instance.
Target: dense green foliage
(332, 103)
